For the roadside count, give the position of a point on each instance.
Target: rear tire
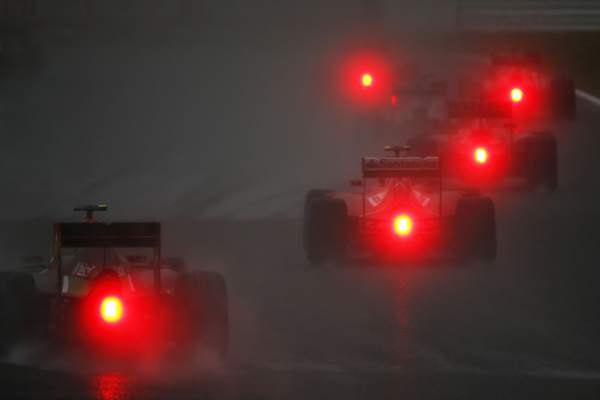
(562, 98)
(205, 317)
(174, 263)
(310, 196)
(476, 229)
(541, 163)
(327, 230)
(472, 192)
(17, 308)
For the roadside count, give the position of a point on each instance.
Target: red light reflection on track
(114, 387)
(403, 331)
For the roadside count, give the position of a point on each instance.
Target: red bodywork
(388, 195)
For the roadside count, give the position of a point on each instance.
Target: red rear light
(111, 309)
(403, 225)
(393, 99)
(480, 155)
(516, 95)
(367, 80)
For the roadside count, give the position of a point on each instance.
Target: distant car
(108, 289)
(419, 108)
(422, 98)
(519, 77)
(402, 211)
(18, 51)
(483, 145)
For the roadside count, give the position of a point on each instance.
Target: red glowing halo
(516, 95)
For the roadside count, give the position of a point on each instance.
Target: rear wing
(102, 235)
(480, 109)
(119, 234)
(400, 167)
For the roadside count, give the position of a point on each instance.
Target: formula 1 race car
(108, 289)
(18, 51)
(424, 97)
(419, 108)
(519, 77)
(402, 212)
(483, 146)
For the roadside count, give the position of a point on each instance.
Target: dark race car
(482, 145)
(419, 108)
(519, 77)
(424, 97)
(401, 212)
(108, 290)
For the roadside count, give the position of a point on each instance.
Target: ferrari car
(519, 77)
(402, 211)
(108, 289)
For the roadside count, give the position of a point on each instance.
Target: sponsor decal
(378, 198)
(371, 164)
(401, 163)
(82, 270)
(421, 198)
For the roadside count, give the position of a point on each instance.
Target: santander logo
(401, 163)
(371, 164)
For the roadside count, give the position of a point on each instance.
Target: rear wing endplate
(400, 167)
(480, 109)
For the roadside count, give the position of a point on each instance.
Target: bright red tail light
(480, 155)
(516, 95)
(403, 225)
(367, 80)
(111, 309)
(393, 100)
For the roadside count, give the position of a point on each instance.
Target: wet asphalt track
(151, 134)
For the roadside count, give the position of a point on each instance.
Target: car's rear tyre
(310, 196)
(205, 317)
(326, 230)
(471, 192)
(176, 264)
(562, 98)
(475, 229)
(17, 308)
(541, 161)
